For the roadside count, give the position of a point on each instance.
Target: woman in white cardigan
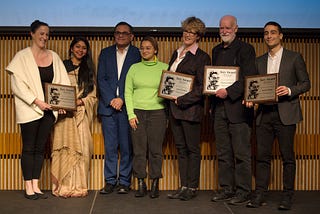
(29, 70)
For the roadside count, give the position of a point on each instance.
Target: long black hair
(86, 76)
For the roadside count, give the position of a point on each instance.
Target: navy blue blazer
(107, 77)
(293, 74)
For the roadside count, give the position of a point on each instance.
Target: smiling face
(79, 50)
(123, 36)
(228, 28)
(272, 36)
(147, 50)
(189, 37)
(40, 36)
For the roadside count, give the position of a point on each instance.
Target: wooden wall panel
(306, 140)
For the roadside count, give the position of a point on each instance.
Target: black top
(227, 56)
(242, 55)
(46, 75)
(69, 65)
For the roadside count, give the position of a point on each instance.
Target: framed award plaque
(61, 96)
(261, 88)
(174, 84)
(216, 77)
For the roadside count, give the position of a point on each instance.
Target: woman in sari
(72, 137)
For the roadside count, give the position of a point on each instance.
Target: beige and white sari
(72, 147)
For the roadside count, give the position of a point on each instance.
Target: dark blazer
(107, 76)
(293, 74)
(242, 55)
(190, 105)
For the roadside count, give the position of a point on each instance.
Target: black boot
(142, 188)
(154, 191)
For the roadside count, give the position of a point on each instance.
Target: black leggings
(34, 138)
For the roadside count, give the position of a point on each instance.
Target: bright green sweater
(141, 88)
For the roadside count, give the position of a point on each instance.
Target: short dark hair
(274, 24)
(124, 23)
(36, 24)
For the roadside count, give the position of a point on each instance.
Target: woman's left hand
(134, 123)
(80, 102)
(62, 111)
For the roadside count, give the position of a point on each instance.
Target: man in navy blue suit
(114, 63)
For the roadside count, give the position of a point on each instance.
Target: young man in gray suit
(278, 120)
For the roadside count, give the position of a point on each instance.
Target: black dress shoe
(285, 205)
(223, 195)
(31, 197)
(122, 189)
(240, 198)
(178, 193)
(107, 189)
(188, 195)
(286, 202)
(257, 201)
(41, 195)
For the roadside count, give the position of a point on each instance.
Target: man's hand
(222, 93)
(116, 103)
(282, 91)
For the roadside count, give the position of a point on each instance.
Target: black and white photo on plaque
(261, 88)
(217, 77)
(174, 84)
(61, 96)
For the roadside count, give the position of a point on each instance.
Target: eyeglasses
(189, 32)
(118, 33)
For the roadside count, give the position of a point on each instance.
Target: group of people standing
(30, 70)
(134, 119)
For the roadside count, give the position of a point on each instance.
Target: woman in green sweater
(147, 117)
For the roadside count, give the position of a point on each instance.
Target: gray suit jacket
(293, 74)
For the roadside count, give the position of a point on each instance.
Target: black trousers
(234, 153)
(187, 140)
(34, 138)
(147, 141)
(270, 128)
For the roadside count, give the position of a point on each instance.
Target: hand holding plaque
(174, 84)
(217, 77)
(261, 88)
(61, 96)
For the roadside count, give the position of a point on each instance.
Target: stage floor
(305, 202)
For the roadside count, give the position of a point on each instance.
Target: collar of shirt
(273, 64)
(233, 43)
(125, 50)
(277, 55)
(150, 63)
(193, 48)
